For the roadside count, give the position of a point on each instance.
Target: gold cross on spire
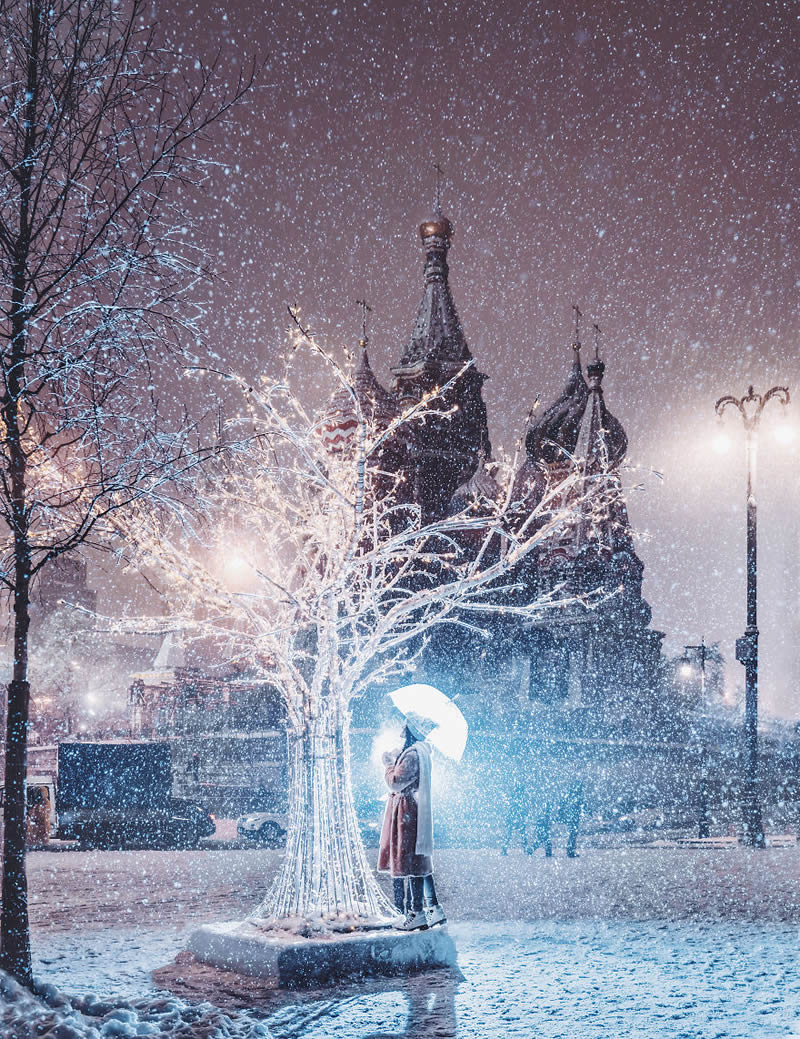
(596, 342)
(365, 307)
(576, 346)
(439, 175)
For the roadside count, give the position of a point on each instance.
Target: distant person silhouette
(516, 817)
(570, 813)
(541, 834)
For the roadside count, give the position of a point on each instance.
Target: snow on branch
(102, 135)
(314, 565)
(102, 132)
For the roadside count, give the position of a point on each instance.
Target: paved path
(626, 884)
(634, 943)
(547, 980)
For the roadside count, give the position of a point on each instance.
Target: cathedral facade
(594, 662)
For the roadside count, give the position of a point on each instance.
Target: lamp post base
(753, 835)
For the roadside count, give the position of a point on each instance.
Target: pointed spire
(365, 309)
(601, 436)
(363, 359)
(596, 367)
(577, 368)
(576, 376)
(437, 334)
(377, 403)
(576, 346)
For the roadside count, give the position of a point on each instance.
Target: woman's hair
(411, 739)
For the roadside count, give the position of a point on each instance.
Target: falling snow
(220, 517)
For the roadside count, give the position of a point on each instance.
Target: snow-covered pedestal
(298, 962)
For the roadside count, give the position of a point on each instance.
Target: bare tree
(317, 568)
(100, 129)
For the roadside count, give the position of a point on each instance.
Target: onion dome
(601, 437)
(556, 430)
(577, 423)
(481, 487)
(339, 423)
(436, 226)
(437, 334)
(378, 406)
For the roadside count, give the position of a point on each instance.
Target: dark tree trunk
(15, 956)
(15, 946)
(54, 245)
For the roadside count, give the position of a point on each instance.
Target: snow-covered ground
(632, 942)
(590, 980)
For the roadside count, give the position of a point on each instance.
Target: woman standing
(407, 836)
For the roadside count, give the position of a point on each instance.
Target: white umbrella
(434, 717)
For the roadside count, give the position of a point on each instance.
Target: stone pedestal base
(294, 962)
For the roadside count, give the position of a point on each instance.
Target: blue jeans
(408, 899)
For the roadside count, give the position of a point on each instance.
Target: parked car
(180, 824)
(40, 812)
(262, 828)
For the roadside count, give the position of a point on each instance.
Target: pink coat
(397, 854)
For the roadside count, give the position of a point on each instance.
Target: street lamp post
(702, 654)
(703, 818)
(750, 408)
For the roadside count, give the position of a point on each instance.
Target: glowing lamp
(721, 443)
(235, 562)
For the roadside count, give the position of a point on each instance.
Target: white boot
(436, 915)
(414, 922)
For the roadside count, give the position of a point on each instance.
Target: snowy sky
(639, 162)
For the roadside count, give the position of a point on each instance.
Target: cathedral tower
(605, 657)
(446, 449)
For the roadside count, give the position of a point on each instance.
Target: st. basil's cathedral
(584, 668)
(579, 693)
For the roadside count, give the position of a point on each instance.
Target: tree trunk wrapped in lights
(344, 584)
(325, 872)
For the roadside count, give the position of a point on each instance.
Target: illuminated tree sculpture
(345, 582)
